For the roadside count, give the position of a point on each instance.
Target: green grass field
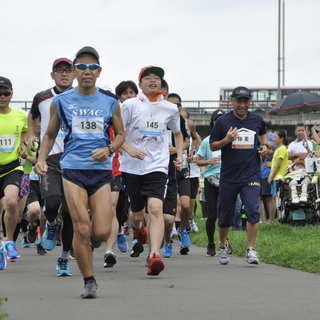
(3, 316)
(278, 244)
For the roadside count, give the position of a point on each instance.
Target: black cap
(89, 50)
(214, 116)
(241, 92)
(4, 82)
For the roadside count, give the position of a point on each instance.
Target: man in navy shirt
(241, 136)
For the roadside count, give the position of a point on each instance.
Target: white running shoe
(252, 256)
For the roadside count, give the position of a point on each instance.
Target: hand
(214, 160)
(232, 134)
(269, 180)
(178, 163)
(41, 168)
(101, 154)
(33, 143)
(23, 153)
(263, 151)
(138, 154)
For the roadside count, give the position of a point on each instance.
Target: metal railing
(193, 106)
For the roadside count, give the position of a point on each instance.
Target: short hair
(164, 85)
(299, 124)
(268, 124)
(174, 95)
(125, 85)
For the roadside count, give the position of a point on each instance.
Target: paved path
(190, 287)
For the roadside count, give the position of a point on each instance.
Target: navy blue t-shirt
(240, 163)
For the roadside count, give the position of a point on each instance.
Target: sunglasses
(84, 66)
(178, 104)
(6, 94)
(61, 70)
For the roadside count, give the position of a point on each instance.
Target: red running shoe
(141, 234)
(155, 265)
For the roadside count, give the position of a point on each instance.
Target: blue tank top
(85, 121)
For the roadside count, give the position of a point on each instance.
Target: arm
(275, 170)
(32, 135)
(204, 162)
(48, 141)
(179, 147)
(264, 144)
(231, 135)
(315, 134)
(102, 154)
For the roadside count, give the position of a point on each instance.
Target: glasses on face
(84, 66)
(6, 94)
(178, 104)
(61, 70)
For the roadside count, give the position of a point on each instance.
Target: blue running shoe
(122, 242)
(12, 252)
(184, 238)
(49, 237)
(25, 243)
(3, 261)
(63, 268)
(167, 252)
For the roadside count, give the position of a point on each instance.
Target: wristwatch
(111, 149)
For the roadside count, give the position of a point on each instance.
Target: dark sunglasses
(61, 70)
(178, 104)
(6, 94)
(84, 66)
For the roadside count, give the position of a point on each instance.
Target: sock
(64, 255)
(53, 223)
(86, 280)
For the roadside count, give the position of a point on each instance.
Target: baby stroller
(298, 197)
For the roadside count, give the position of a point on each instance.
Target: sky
(202, 45)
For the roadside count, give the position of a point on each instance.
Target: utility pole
(280, 41)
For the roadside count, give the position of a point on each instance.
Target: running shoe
(155, 265)
(184, 250)
(32, 234)
(109, 259)
(136, 249)
(229, 248)
(25, 243)
(49, 237)
(193, 226)
(167, 252)
(184, 238)
(211, 250)
(12, 252)
(90, 290)
(63, 268)
(3, 261)
(126, 230)
(140, 234)
(72, 255)
(41, 250)
(223, 255)
(122, 242)
(95, 244)
(252, 256)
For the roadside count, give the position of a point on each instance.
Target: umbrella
(295, 103)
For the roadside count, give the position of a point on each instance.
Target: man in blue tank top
(239, 134)
(85, 113)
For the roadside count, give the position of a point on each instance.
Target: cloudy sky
(201, 44)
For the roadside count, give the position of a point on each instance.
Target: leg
(77, 200)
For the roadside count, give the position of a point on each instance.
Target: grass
(3, 316)
(278, 244)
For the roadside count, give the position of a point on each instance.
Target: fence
(193, 106)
